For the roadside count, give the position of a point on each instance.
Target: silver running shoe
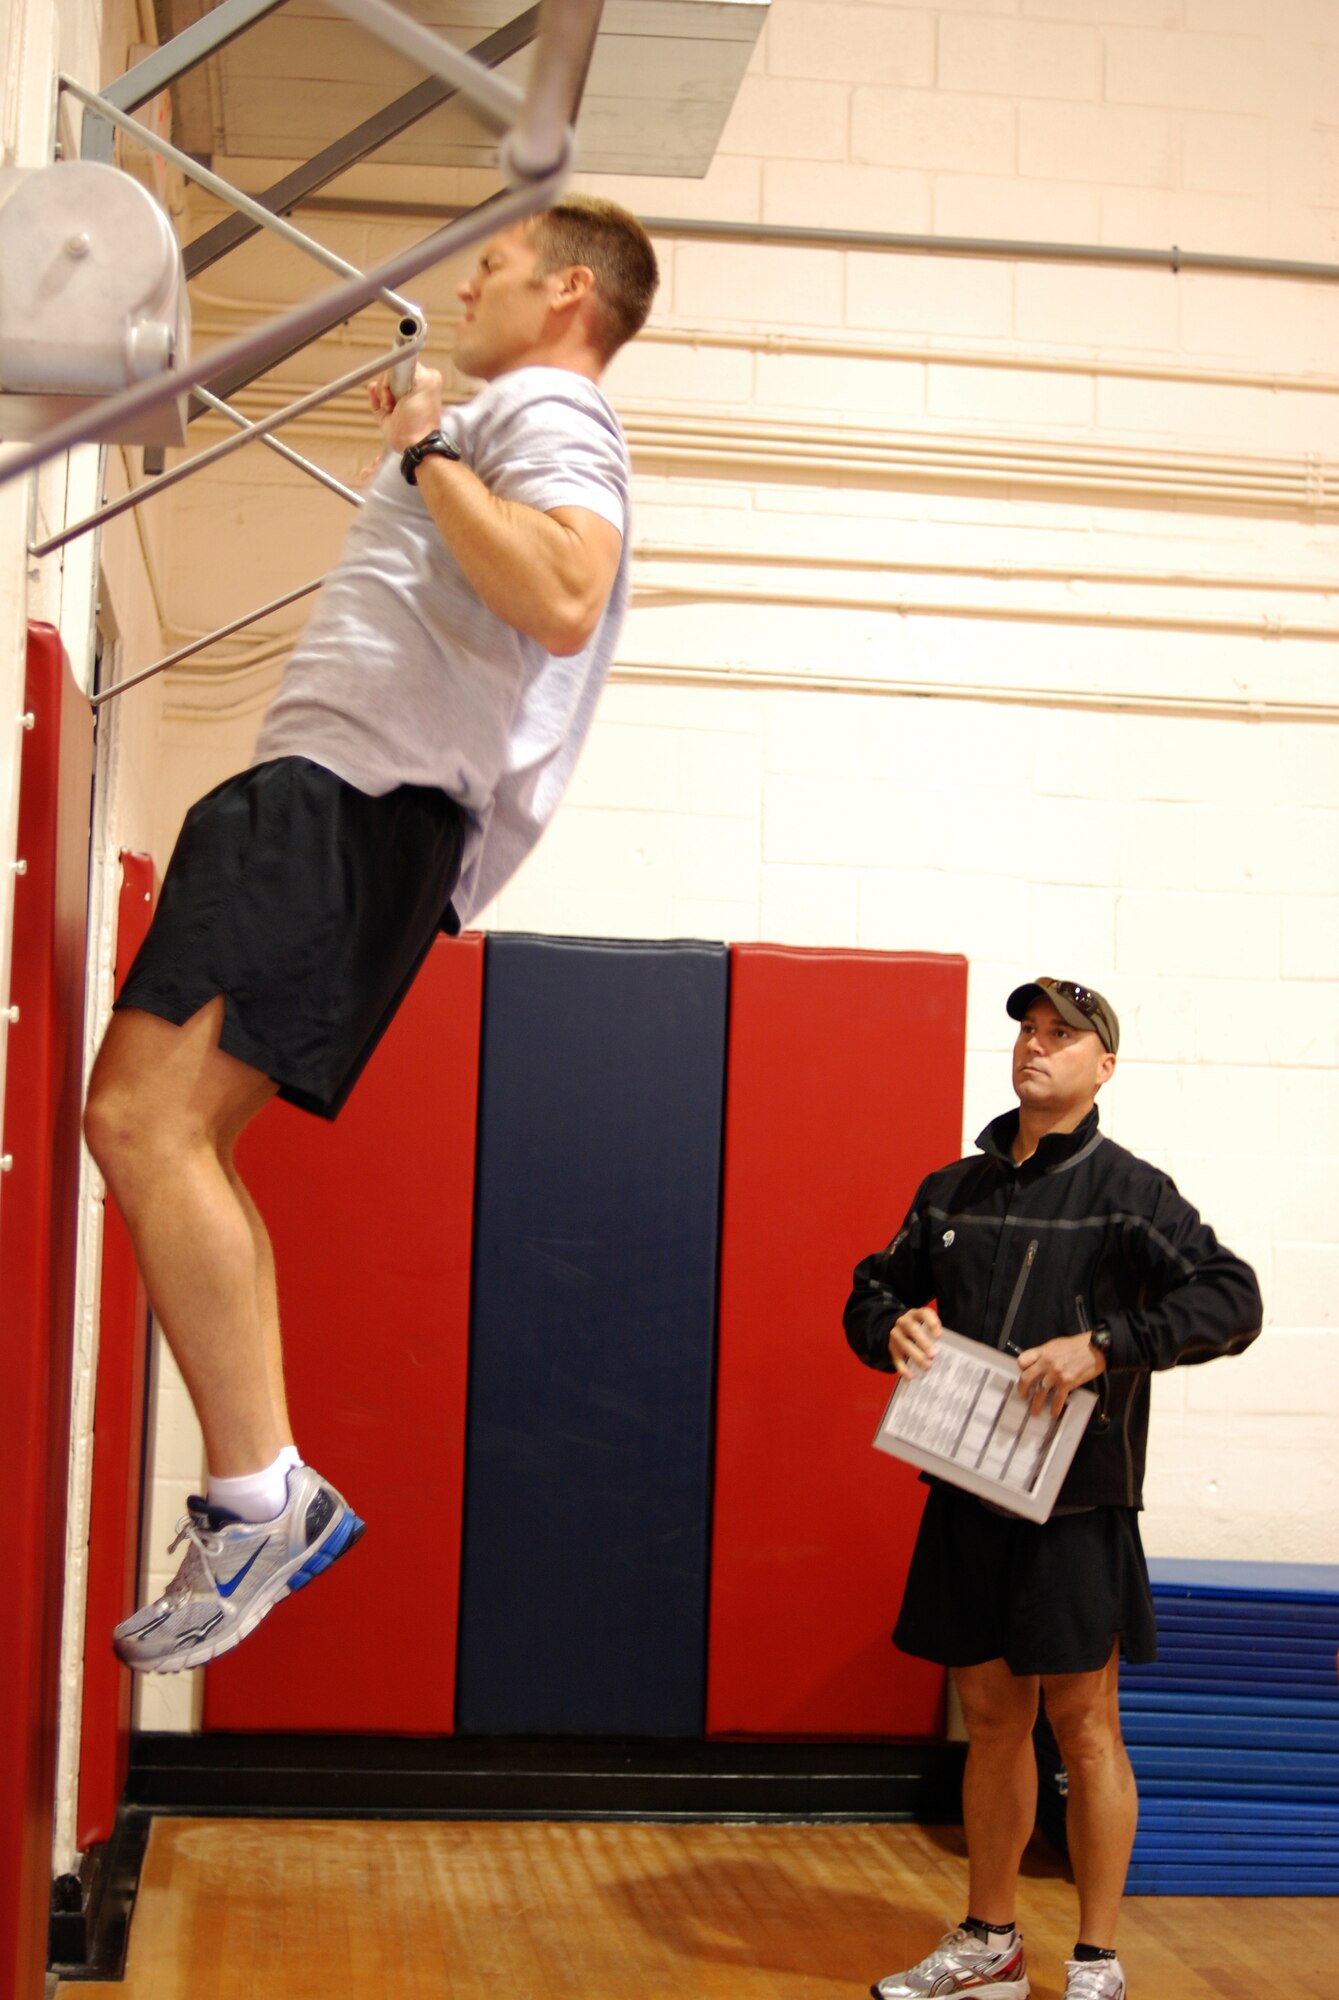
(961, 1963)
(234, 1572)
(1094, 1979)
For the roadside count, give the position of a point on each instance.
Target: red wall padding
(844, 1089)
(118, 1451)
(371, 1221)
(38, 1213)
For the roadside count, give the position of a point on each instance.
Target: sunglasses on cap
(1082, 1001)
(1082, 997)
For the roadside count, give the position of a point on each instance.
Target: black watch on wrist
(1100, 1338)
(435, 444)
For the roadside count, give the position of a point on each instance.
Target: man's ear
(574, 284)
(1105, 1068)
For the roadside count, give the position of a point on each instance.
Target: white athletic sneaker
(234, 1572)
(1094, 1979)
(962, 1963)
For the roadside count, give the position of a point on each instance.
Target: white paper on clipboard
(964, 1421)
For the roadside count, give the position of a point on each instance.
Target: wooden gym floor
(415, 1910)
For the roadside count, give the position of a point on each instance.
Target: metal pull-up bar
(566, 35)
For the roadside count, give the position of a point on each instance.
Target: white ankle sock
(255, 1496)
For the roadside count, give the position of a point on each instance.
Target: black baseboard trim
(89, 1927)
(390, 1777)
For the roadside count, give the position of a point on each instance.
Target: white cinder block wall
(985, 603)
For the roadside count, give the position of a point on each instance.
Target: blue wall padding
(588, 1451)
(1234, 1732)
(1210, 1578)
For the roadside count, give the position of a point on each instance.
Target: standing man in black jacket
(1060, 1247)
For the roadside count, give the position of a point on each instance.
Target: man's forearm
(871, 1311)
(548, 575)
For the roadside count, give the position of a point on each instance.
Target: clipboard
(965, 1422)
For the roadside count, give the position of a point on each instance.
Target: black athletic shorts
(309, 906)
(1048, 1597)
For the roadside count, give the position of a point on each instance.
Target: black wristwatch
(435, 444)
(1100, 1338)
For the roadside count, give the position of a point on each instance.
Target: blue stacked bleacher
(1234, 1732)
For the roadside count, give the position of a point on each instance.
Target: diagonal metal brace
(225, 449)
(356, 145)
(194, 45)
(567, 31)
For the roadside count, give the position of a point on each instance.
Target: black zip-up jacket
(1082, 1233)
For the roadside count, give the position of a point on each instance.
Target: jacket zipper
(1017, 1299)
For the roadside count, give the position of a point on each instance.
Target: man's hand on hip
(1048, 1373)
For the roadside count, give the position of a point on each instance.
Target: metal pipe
(542, 139)
(198, 645)
(265, 218)
(1019, 251)
(412, 328)
(299, 187)
(498, 100)
(225, 449)
(306, 465)
(257, 347)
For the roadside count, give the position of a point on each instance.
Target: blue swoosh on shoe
(227, 1589)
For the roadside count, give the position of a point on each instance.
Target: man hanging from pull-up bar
(426, 726)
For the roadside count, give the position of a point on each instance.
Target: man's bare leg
(165, 1108)
(267, 1293)
(1103, 1809)
(999, 1787)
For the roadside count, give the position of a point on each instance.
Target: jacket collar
(1056, 1151)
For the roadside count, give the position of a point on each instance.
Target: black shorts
(309, 906)
(1047, 1597)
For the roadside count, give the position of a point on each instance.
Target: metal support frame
(161, 67)
(198, 645)
(536, 155)
(261, 217)
(563, 23)
(410, 335)
(225, 449)
(307, 465)
(356, 145)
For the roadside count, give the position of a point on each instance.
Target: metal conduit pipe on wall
(1007, 249)
(1021, 252)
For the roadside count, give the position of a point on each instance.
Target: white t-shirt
(405, 677)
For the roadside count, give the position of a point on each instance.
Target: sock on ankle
(1091, 1952)
(1000, 1935)
(255, 1496)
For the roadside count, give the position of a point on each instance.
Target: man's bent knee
(158, 1087)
